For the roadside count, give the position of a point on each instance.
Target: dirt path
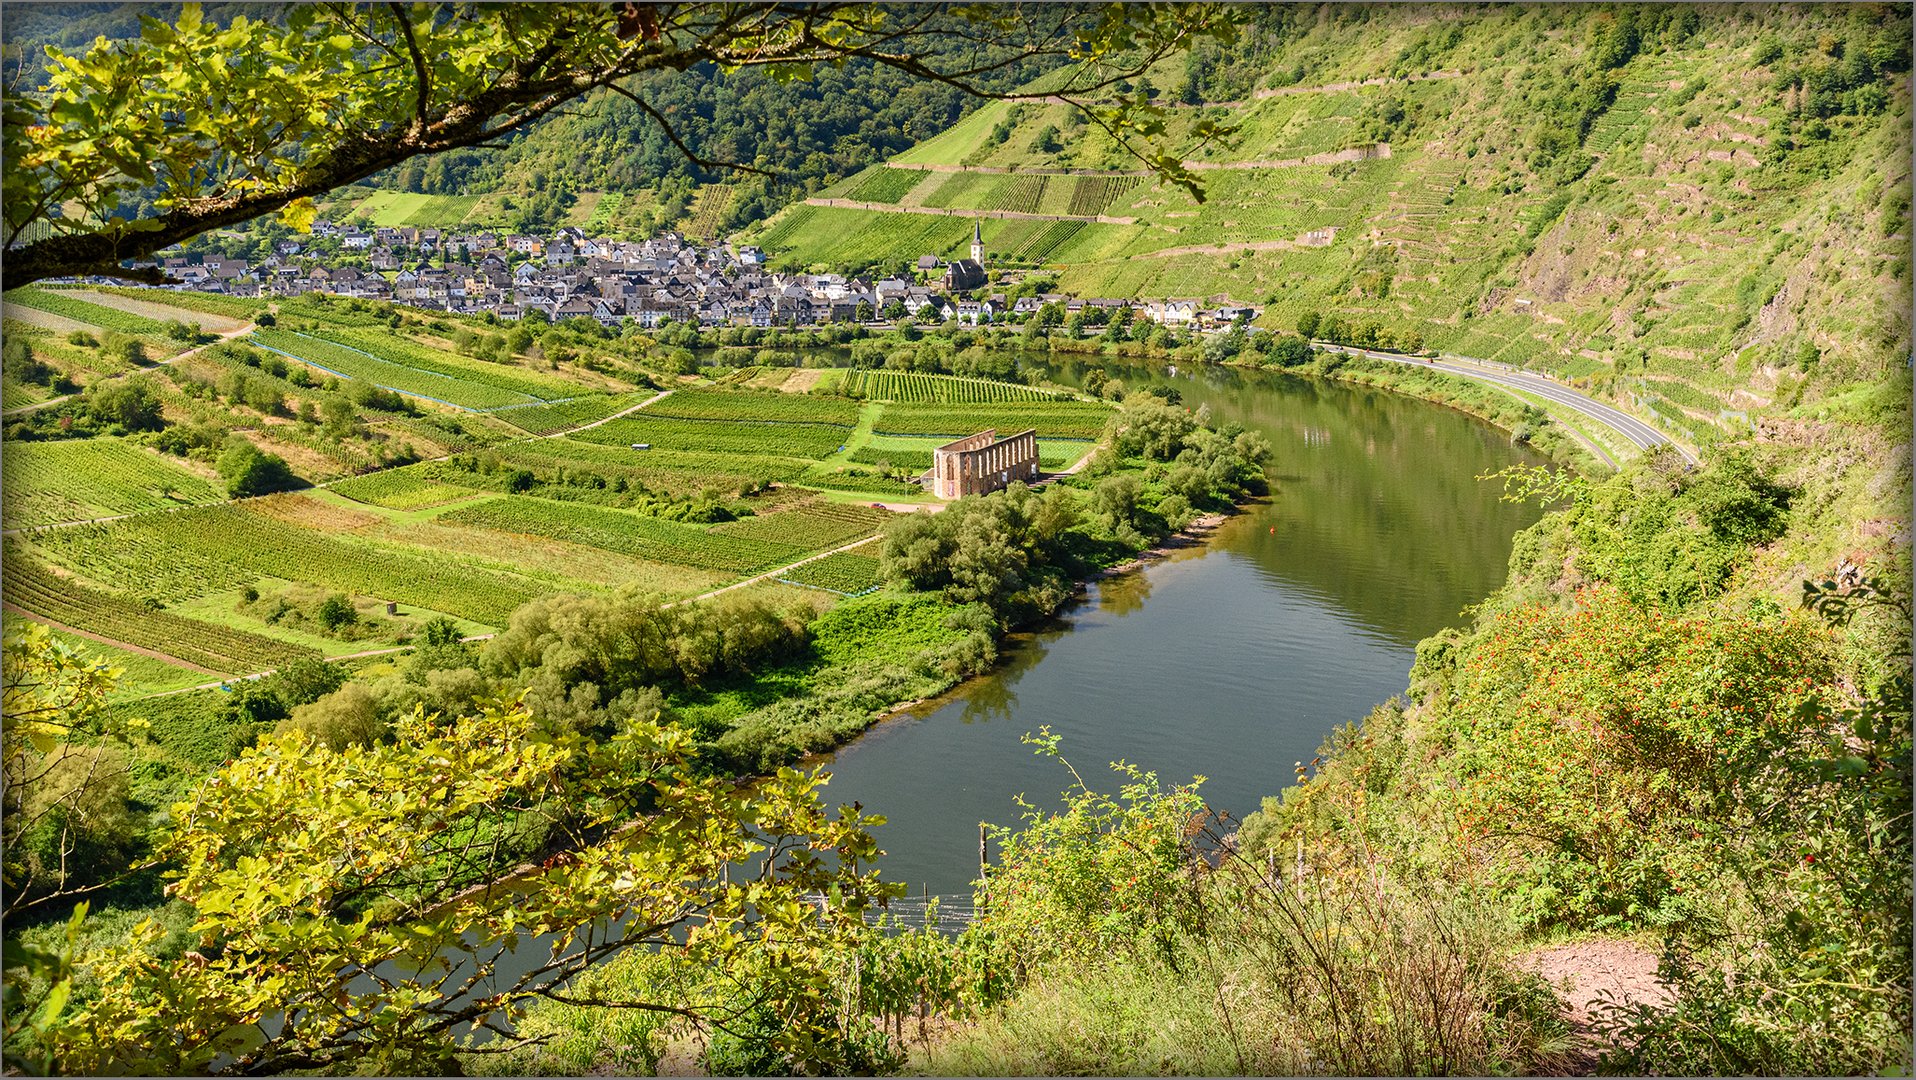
(774, 573)
(151, 654)
(194, 351)
(1589, 975)
(622, 412)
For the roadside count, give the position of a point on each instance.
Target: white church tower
(977, 243)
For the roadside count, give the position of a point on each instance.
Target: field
(1056, 419)
(216, 648)
(844, 572)
(413, 369)
(837, 236)
(71, 480)
(399, 489)
(627, 533)
(237, 308)
(159, 305)
(188, 554)
(814, 525)
(80, 311)
(139, 674)
(918, 387)
(907, 452)
(791, 440)
(758, 408)
(544, 419)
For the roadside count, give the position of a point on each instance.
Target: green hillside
(1695, 215)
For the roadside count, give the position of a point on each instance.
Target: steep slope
(1699, 211)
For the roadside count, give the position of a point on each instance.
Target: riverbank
(1192, 535)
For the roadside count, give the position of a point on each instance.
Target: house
(927, 262)
(354, 240)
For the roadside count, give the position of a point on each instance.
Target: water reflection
(1231, 659)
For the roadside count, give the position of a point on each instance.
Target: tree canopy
(213, 125)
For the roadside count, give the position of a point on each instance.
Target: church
(963, 275)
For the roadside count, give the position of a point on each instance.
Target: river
(1231, 659)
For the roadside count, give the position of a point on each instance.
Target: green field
(844, 572)
(140, 675)
(410, 368)
(72, 480)
(179, 556)
(216, 648)
(627, 533)
(914, 387)
(1054, 419)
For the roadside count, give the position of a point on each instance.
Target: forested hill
(804, 134)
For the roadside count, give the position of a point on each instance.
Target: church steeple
(977, 243)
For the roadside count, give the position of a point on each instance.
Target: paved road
(1640, 434)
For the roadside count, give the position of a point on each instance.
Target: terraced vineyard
(812, 525)
(1058, 419)
(180, 556)
(918, 387)
(81, 311)
(879, 184)
(399, 350)
(788, 440)
(845, 573)
(217, 648)
(71, 480)
(758, 408)
(400, 489)
(628, 534)
(562, 415)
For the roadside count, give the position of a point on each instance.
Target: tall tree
(136, 145)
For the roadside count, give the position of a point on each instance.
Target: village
(645, 283)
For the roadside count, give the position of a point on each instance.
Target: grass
(139, 675)
(72, 480)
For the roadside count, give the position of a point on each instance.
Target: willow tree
(214, 125)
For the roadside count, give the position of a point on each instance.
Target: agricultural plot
(400, 489)
(217, 648)
(844, 573)
(626, 533)
(879, 184)
(14, 395)
(969, 191)
(71, 480)
(789, 440)
(400, 350)
(561, 415)
(1095, 194)
(603, 211)
(707, 210)
(80, 311)
(918, 387)
(835, 235)
(1054, 419)
(352, 363)
(1044, 241)
(914, 454)
(758, 408)
(139, 674)
(811, 525)
(678, 472)
(179, 556)
(239, 309)
(152, 306)
(395, 208)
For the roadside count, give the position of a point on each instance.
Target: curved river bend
(1232, 659)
